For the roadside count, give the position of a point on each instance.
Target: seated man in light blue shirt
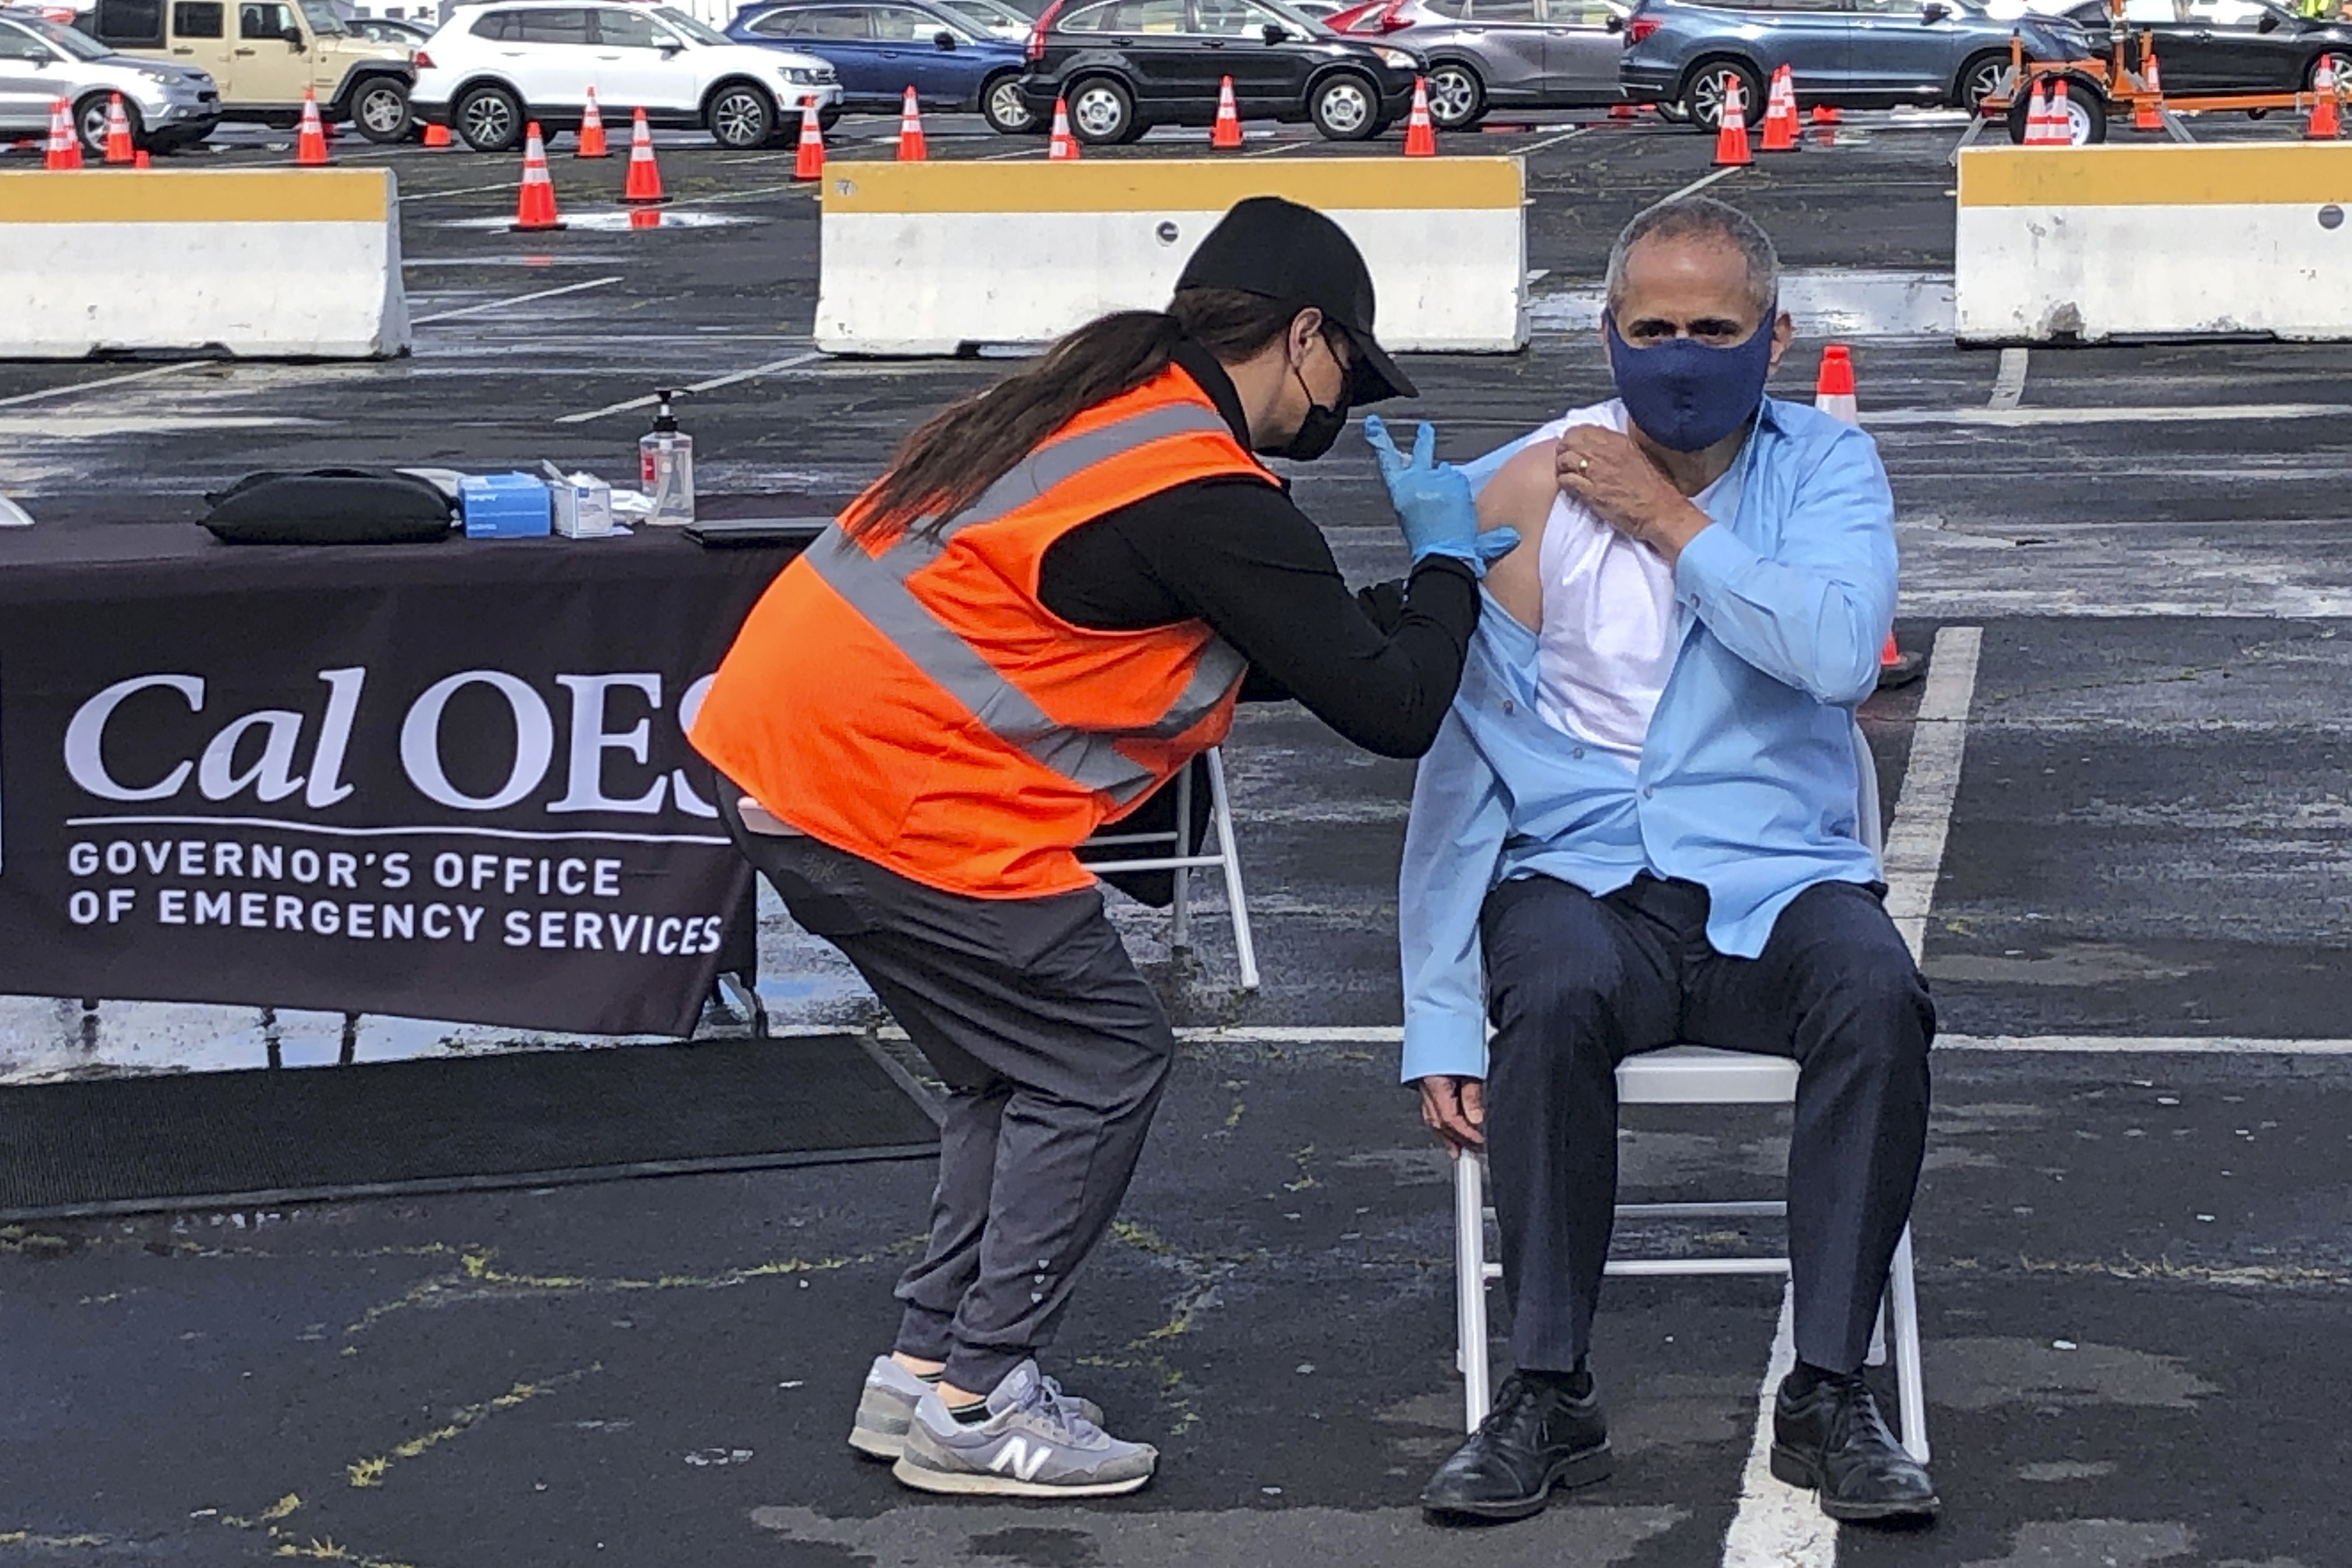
(1638, 827)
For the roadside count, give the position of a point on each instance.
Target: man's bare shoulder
(1520, 494)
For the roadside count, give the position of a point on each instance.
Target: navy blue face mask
(1685, 395)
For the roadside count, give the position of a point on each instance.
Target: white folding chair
(1226, 860)
(1695, 1075)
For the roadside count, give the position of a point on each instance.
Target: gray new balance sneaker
(1032, 1444)
(891, 1393)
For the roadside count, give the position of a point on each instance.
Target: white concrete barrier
(273, 264)
(2082, 244)
(926, 258)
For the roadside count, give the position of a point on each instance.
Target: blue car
(1852, 54)
(881, 48)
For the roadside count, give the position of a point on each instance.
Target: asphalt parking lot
(2133, 1246)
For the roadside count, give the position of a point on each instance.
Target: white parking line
(1931, 779)
(1534, 147)
(2013, 418)
(2009, 383)
(1702, 182)
(489, 305)
(1777, 1525)
(43, 396)
(716, 382)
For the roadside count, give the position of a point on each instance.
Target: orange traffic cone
(643, 188)
(2324, 124)
(1731, 134)
(808, 159)
(592, 132)
(435, 134)
(139, 159)
(1833, 388)
(1780, 114)
(118, 131)
(1226, 134)
(2144, 110)
(910, 131)
(535, 206)
(2037, 118)
(1621, 111)
(1064, 148)
(311, 141)
(1420, 135)
(65, 147)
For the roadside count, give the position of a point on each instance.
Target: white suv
(492, 67)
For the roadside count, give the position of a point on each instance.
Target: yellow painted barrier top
(164, 196)
(1189, 185)
(2161, 176)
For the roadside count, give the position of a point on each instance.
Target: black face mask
(1319, 429)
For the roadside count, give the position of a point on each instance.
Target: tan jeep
(263, 53)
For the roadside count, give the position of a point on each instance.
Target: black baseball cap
(1280, 250)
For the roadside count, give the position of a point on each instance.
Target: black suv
(1124, 66)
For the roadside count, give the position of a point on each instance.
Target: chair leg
(1910, 1384)
(1876, 1355)
(1180, 932)
(1222, 807)
(1470, 1288)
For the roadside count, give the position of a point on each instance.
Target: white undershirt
(1608, 639)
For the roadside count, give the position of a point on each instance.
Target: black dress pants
(1576, 983)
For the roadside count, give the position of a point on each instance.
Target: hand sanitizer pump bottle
(665, 466)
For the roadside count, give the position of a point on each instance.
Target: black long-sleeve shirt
(1238, 555)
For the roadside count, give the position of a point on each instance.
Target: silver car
(1513, 54)
(42, 61)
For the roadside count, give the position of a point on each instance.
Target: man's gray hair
(1701, 217)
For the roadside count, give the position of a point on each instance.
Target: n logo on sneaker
(1017, 1457)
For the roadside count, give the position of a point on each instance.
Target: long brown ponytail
(950, 458)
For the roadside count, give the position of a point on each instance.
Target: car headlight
(1397, 59)
(810, 76)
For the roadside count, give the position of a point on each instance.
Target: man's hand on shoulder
(1616, 480)
(1456, 1109)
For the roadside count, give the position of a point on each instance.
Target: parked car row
(1121, 67)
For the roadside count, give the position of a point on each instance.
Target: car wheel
(1980, 79)
(826, 119)
(380, 110)
(2086, 113)
(90, 122)
(1711, 84)
(2336, 60)
(489, 118)
(742, 117)
(1457, 98)
(1345, 108)
(1001, 105)
(1102, 113)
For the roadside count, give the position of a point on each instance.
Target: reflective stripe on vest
(876, 587)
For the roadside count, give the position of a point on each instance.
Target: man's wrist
(1676, 527)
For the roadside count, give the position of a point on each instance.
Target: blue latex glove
(1434, 504)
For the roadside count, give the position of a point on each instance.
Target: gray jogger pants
(1055, 1052)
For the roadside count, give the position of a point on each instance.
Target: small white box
(583, 507)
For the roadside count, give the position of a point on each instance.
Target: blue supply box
(504, 506)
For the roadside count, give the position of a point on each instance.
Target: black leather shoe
(1537, 1437)
(1832, 1440)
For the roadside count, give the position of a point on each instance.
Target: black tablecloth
(445, 780)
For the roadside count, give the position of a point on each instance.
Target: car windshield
(321, 15)
(690, 29)
(80, 45)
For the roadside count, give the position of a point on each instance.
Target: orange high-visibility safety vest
(911, 701)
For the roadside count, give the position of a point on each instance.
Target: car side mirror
(1615, 24)
(2269, 24)
(1934, 11)
(670, 50)
(1276, 35)
(944, 40)
(294, 41)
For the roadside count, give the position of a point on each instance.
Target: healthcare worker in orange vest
(1046, 607)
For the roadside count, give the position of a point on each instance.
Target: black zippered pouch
(329, 506)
